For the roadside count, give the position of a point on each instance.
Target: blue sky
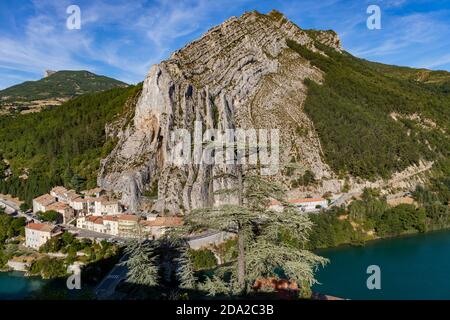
(123, 38)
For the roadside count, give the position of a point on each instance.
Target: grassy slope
(351, 112)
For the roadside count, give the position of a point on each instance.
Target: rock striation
(240, 74)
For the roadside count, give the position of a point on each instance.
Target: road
(11, 208)
(83, 233)
(106, 289)
(344, 198)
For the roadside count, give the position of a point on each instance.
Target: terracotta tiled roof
(128, 217)
(83, 200)
(72, 196)
(57, 206)
(274, 283)
(92, 191)
(40, 227)
(296, 201)
(94, 219)
(105, 200)
(164, 222)
(110, 218)
(69, 194)
(60, 190)
(45, 199)
(80, 200)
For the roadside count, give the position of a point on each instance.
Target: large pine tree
(261, 251)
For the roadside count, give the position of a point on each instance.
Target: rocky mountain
(348, 122)
(54, 89)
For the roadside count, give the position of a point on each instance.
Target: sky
(123, 38)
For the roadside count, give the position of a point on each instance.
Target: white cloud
(436, 62)
(123, 38)
(400, 33)
(127, 36)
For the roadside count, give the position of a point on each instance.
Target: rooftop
(45, 199)
(296, 201)
(69, 194)
(96, 220)
(40, 227)
(87, 199)
(128, 217)
(92, 191)
(163, 222)
(110, 218)
(57, 206)
(59, 189)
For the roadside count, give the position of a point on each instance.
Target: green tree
(203, 259)
(261, 253)
(24, 207)
(49, 216)
(48, 268)
(186, 269)
(68, 238)
(141, 263)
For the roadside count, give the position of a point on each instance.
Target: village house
(71, 205)
(120, 225)
(37, 234)
(155, 228)
(79, 204)
(84, 206)
(94, 193)
(104, 206)
(302, 205)
(91, 223)
(96, 206)
(112, 225)
(128, 225)
(65, 210)
(63, 195)
(41, 204)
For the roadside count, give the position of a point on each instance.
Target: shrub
(203, 259)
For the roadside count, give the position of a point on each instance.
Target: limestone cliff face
(240, 74)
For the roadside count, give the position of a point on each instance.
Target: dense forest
(353, 114)
(59, 146)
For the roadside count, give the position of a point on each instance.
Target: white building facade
(302, 205)
(37, 234)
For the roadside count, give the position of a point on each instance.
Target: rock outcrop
(240, 74)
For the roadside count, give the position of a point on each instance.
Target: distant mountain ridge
(54, 89)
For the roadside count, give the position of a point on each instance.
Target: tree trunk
(241, 239)
(241, 262)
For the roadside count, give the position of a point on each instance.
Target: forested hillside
(60, 84)
(374, 120)
(53, 90)
(60, 146)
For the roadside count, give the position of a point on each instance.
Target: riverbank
(372, 218)
(411, 267)
(15, 285)
(375, 240)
